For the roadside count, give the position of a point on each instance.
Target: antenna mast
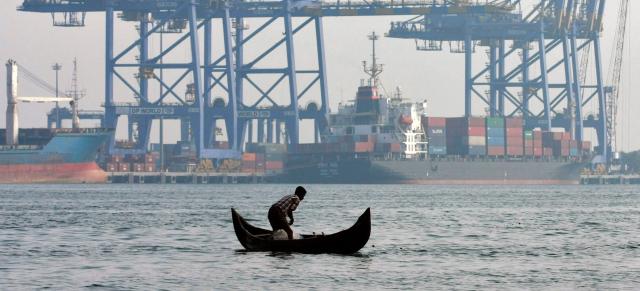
(375, 69)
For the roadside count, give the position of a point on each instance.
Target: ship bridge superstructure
(210, 87)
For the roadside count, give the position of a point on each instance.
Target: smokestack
(12, 104)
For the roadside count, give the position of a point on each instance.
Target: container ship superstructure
(44, 155)
(388, 139)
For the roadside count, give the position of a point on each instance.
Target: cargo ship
(388, 139)
(53, 156)
(44, 155)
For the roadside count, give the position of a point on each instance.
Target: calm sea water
(181, 237)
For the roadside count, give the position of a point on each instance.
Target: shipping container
(150, 167)
(112, 167)
(249, 156)
(495, 150)
(495, 122)
(123, 167)
(495, 141)
(364, 147)
(513, 122)
(436, 132)
(433, 122)
(496, 132)
(528, 151)
(438, 141)
(515, 151)
(538, 151)
(437, 150)
(514, 132)
(274, 165)
(138, 167)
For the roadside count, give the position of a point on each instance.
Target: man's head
(300, 192)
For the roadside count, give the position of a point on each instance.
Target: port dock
(188, 178)
(610, 180)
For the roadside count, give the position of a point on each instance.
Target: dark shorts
(277, 219)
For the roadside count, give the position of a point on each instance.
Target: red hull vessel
(52, 173)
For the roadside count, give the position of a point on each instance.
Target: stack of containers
(466, 136)
(556, 144)
(514, 134)
(138, 167)
(538, 149)
(113, 165)
(270, 157)
(528, 143)
(150, 161)
(248, 163)
(495, 136)
(435, 128)
(574, 149)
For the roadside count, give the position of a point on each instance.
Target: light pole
(57, 67)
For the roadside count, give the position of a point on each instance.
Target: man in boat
(284, 208)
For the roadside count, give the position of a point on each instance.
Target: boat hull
(443, 172)
(347, 241)
(72, 173)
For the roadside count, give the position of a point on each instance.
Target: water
(181, 237)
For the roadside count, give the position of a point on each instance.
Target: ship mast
(375, 69)
(76, 95)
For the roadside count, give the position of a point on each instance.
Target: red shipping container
(434, 121)
(514, 141)
(514, 132)
(537, 151)
(515, 151)
(363, 147)
(274, 165)
(537, 135)
(495, 151)
(566, 136)
(513, 122)
(586, 146)
(250, 156)
(547, 152)
(477, 131)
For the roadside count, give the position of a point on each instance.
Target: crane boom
(615, 73)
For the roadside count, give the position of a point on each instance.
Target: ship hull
(436, 172)
(67, 157)
(67, 173)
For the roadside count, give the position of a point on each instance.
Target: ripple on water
(110, 237)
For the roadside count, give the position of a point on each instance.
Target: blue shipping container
(437, 150)
(495, 141)
(477, 150)
(495, 131)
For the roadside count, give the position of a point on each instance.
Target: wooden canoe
(347, 241)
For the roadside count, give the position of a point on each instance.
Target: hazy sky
(435, 76)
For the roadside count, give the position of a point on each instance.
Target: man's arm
(290, 214)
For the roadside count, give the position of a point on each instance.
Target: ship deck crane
(13, 97)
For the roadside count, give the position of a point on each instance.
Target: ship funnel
(11, 133)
